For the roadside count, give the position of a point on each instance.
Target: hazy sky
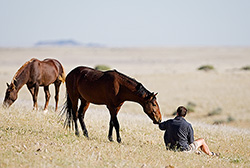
(118, 23)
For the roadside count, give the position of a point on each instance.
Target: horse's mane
(21, 69)
(126, 78)
(140, 89)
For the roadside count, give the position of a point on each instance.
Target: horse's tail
(67, 109)
(62, 75)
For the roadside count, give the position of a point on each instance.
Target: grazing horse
(109, 88)
(35, 73)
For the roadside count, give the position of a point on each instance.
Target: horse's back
(55, 64)
(92, 85)
(44, 72)
(85, 75)
(89, 74)
(53, 61)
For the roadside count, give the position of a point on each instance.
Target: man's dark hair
(181, 111)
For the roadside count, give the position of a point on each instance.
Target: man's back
(179, 133)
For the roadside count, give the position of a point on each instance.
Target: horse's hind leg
(81, 112)
(57, 86)
(47, 97)
(75, 115)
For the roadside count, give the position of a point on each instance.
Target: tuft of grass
(190, 107)
(102, 67)
(236, 159)
(246, 68)
(218, 122)
(216, 111)
(206, 68)
(228, 120)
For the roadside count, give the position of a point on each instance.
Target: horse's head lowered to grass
(10, 95)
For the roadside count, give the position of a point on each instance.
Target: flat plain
(218, 101)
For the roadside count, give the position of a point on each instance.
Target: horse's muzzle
(6, 105)
(157, 122)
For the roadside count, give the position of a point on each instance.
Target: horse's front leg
(47, 97)
(35, 96)
(111, 125)
(117, 129)
(114, 123)
(34, 92)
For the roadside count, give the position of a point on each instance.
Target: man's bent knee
(200, 142)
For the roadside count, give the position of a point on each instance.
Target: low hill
(57, 43)
(66, 43)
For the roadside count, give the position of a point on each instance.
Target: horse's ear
(12, 85)
(7, 84)
(151, 96)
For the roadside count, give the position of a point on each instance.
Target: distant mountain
(66, 43)
(58, 43)
(94, 45)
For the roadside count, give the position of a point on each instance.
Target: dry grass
(34, 139)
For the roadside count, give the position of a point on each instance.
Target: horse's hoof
(86, 135)
(45, 111)
(110, 139)
(119, 140)
(77, 134)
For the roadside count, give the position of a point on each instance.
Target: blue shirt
(179, 133)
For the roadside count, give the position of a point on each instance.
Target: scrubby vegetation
(246, 68)
(216, 111)
(228, 120)
(190, 107)
(102, 67)
(206, 68)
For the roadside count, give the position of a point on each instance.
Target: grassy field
(35, 139)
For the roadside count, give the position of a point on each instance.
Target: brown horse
(35, 73)
(110, 88)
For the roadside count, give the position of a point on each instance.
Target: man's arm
(163, 125)
(190, 134)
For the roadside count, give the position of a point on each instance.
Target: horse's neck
(130, 94)
(21, 79)
(131, 90)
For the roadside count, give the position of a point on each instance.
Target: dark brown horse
(110, 88)
(35, 73)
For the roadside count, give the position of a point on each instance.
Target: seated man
(179, 134)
